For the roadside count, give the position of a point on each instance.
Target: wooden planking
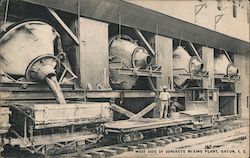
(109, 153)
(143, 124)
(45, 114)
(120, 150)
(143, 112)
(121, 110)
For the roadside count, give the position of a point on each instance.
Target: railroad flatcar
(70, 77)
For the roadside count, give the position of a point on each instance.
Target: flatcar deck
(143, 124)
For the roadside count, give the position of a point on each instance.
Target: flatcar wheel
(120, 138)
(169, 131)
(161, 132)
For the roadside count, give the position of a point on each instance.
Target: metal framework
(166, 25)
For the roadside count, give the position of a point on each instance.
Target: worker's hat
(164, 87)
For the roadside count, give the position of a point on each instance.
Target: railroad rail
(117, 149)
(174, 141)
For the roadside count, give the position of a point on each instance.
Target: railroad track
(116, 149)
(174, 141)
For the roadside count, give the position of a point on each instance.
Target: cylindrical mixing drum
(126, 51)
(185, 64)
(222, 65)
(23, 43)
(28, 49)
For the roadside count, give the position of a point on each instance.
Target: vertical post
(94, 53)
(164, 47)
(235, 104)
(120, 24)
(156, 54)
(76, 49)
(78, 20)
(243, 86)
(208, 61)
(6, 12)
(25, 127)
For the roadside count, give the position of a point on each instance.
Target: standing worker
(164, 102)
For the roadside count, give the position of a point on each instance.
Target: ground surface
(229, 144)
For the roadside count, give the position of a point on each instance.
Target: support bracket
(121, 110)
(138, 32)
(143, 112)
(217, 18)
(227, 55)
(64, 26)
(198, 8)
(195, 51)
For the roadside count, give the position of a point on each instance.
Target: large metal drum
(222, 65)
(183, 63)
(28, 49)
(126, 51)
(23, 43)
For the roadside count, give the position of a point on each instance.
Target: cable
(181, 36)
(6, 12)
(120, 22)
(151, 84)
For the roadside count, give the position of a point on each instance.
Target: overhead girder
(147, 20)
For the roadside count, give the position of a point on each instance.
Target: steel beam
(117, 94)
(35, 95)
(227, 94)
(140, 72)
(195, 51)
(64, 26)
(188, 76)
(76, 94)
(148, 20)
(26, 95)
(152, 52)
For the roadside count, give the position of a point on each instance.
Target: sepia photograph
(124, 78)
